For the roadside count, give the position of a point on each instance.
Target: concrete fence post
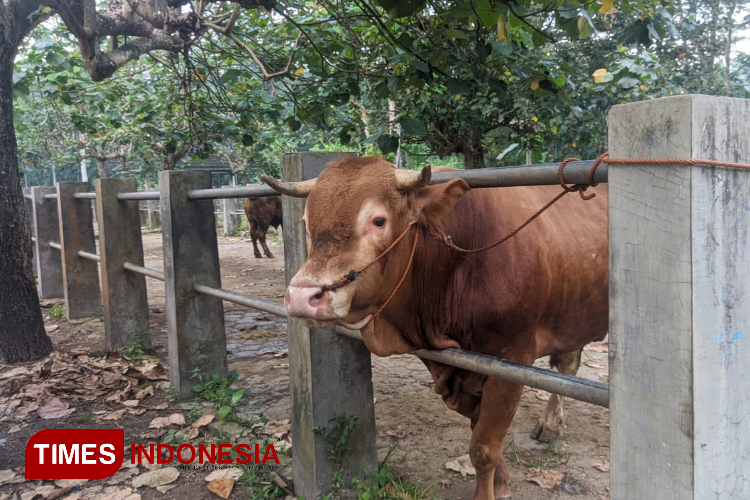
(329, 374)
(231, 220)
(679, 242)
(195, 322)
(83, 298)
(45, 228)
(124, 297)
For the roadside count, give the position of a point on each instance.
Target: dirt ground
(408, 411)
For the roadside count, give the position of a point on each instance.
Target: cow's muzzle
(307, 301)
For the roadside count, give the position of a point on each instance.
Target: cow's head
(355, 209)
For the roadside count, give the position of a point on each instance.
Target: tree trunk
(22, 333)
(473, 150)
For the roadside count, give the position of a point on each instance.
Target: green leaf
(627, 82)
(388, 143)
(401, 8)
(247, 140)
(585, 28)
(237, 396)
(199, 388)
(538, 38)
(224, 412)
(412, 127)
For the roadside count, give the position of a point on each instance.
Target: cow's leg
(254, 236)
(550, 423)
(499, 402)
(262, 238)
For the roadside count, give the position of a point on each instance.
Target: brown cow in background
(262, 213)
(544, 292)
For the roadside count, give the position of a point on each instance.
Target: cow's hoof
(269, 255)
(258, 256)
(545, 434)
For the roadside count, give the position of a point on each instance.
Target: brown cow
(262, 213)
(543, 292)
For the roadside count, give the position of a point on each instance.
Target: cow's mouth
(357, 325)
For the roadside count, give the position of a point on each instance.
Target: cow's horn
(409, 180)
(297, 189)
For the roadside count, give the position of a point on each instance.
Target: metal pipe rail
(254, 191)
(89, 255)
(151, 273)
(50, 196)
(139, 195)
(578, 388)
(242, 299)
(576, 172)
(84, 196)
(55, 245)
(33, 239)
(28, 196)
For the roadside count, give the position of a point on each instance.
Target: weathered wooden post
(124, 297)
(195, 322)
(679, 288)
(45, 228)
(328, 374)
(83, 298)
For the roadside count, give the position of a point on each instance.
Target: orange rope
(604, 158)
(403, 276)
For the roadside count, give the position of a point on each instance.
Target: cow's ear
(434, 202)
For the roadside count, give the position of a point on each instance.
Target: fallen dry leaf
(6, 476)
(233, 473)
(203, 421)
(158, 477)
(461, 464)
(173, 419)
(547, 479)
(131, 403)
(115, 415)
(122, 475)
(221, 487)
(445, 483)
(114, 493)
(64, 483)
(593, 364)
(278, 428)
(602, 467)
(543, 395)
(54, 408)
(597, 348)
(397, 433)
(142, 393)
(52, 328)
(160, 406)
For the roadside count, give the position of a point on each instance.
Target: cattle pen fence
(679, 282)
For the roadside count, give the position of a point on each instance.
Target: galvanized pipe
(578, 388)
(524, 175)
(139, 195)
(238, 298)
(50, 196)
(84, 196)
(151, 273)
(28, 196)
(89, 255)
(33, 239)
(254, 191)
(55, 245)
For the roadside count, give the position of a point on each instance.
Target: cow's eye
(379, 221)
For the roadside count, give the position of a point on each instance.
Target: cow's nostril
(318, 296)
